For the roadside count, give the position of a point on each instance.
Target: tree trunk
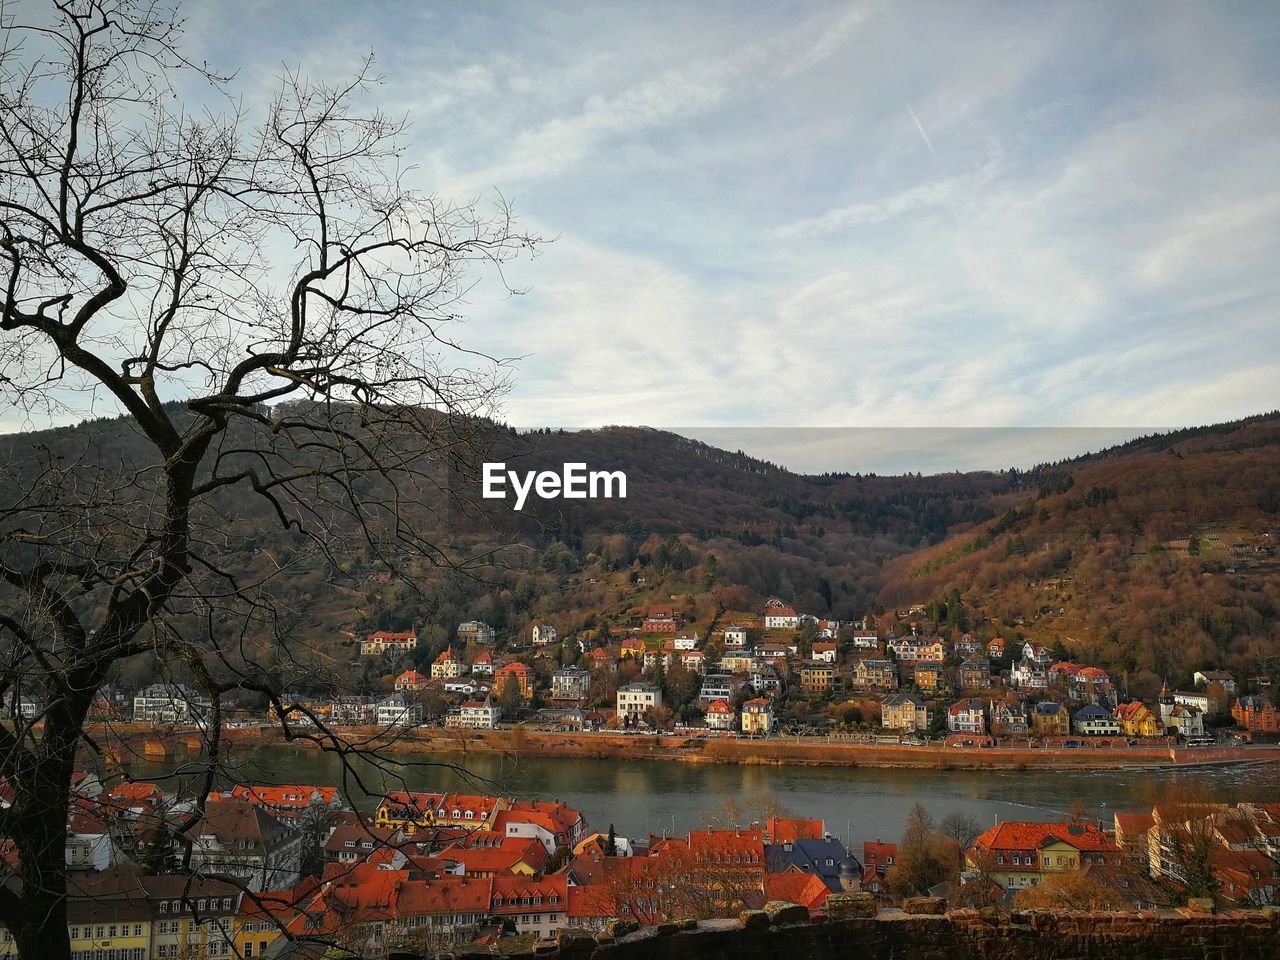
(41, 797)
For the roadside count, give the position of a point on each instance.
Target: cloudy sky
(813, 215)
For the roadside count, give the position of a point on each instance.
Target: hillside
(1157, 558)
(1152, 557)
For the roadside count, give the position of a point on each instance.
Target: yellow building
(757, 717)
(1016, 855)
(109, 928)
(410, 811)
(116, 926)
(1136, 720)
(380, 642)
(256, 929)
(817, 676)
(902, 711)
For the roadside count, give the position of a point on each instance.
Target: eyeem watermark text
(574, 482)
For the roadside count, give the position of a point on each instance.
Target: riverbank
(821, 754)
(522, 743)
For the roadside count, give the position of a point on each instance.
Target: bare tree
(963, 828)
(270, 310)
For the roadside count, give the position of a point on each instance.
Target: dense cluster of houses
(1229, 851)
(751, 670)
(275, 865)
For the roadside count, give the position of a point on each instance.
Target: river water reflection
(639, 797)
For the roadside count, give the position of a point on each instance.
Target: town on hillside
(272, 871)
(773, 673)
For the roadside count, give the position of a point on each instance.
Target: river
(639, 797)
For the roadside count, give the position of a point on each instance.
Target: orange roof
(732, 846)
(787, 829)
(1133, 710)
(444, 896)
(498, 860)
(451, 803)
(285, 796)
(130, 794)
(387, 635)
(876, 853)
(514, 667)
(557, 818)
(1015, 835)
(515, 894)
(720, 706)
(446, 656)
(805, 889)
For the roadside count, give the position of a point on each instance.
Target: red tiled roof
(557, 818)
(498, 860)
(790, 829)
(523, 890)
(1133, 710)
(1015, 835)
(806, 889)
(284, 796)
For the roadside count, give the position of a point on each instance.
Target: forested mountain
(1155, 557)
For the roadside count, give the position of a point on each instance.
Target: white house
(1095, 721)
(468, 688)
(570, 683)
(686, 641)
(476, 715)
(398, 710)
(825, 650)
(1188, 721)
(1204, 678)
(865, 640)
(719, 686)
(89, 844)
(1192, 698)
(735, 638)
(779, 616)
(720, 716)
(635, 699)
(967, 716)
(170, 703)
(1029, 674)
(543, 634)
(476, 631)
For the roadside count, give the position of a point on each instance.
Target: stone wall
(851, 931)
(968, 936)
